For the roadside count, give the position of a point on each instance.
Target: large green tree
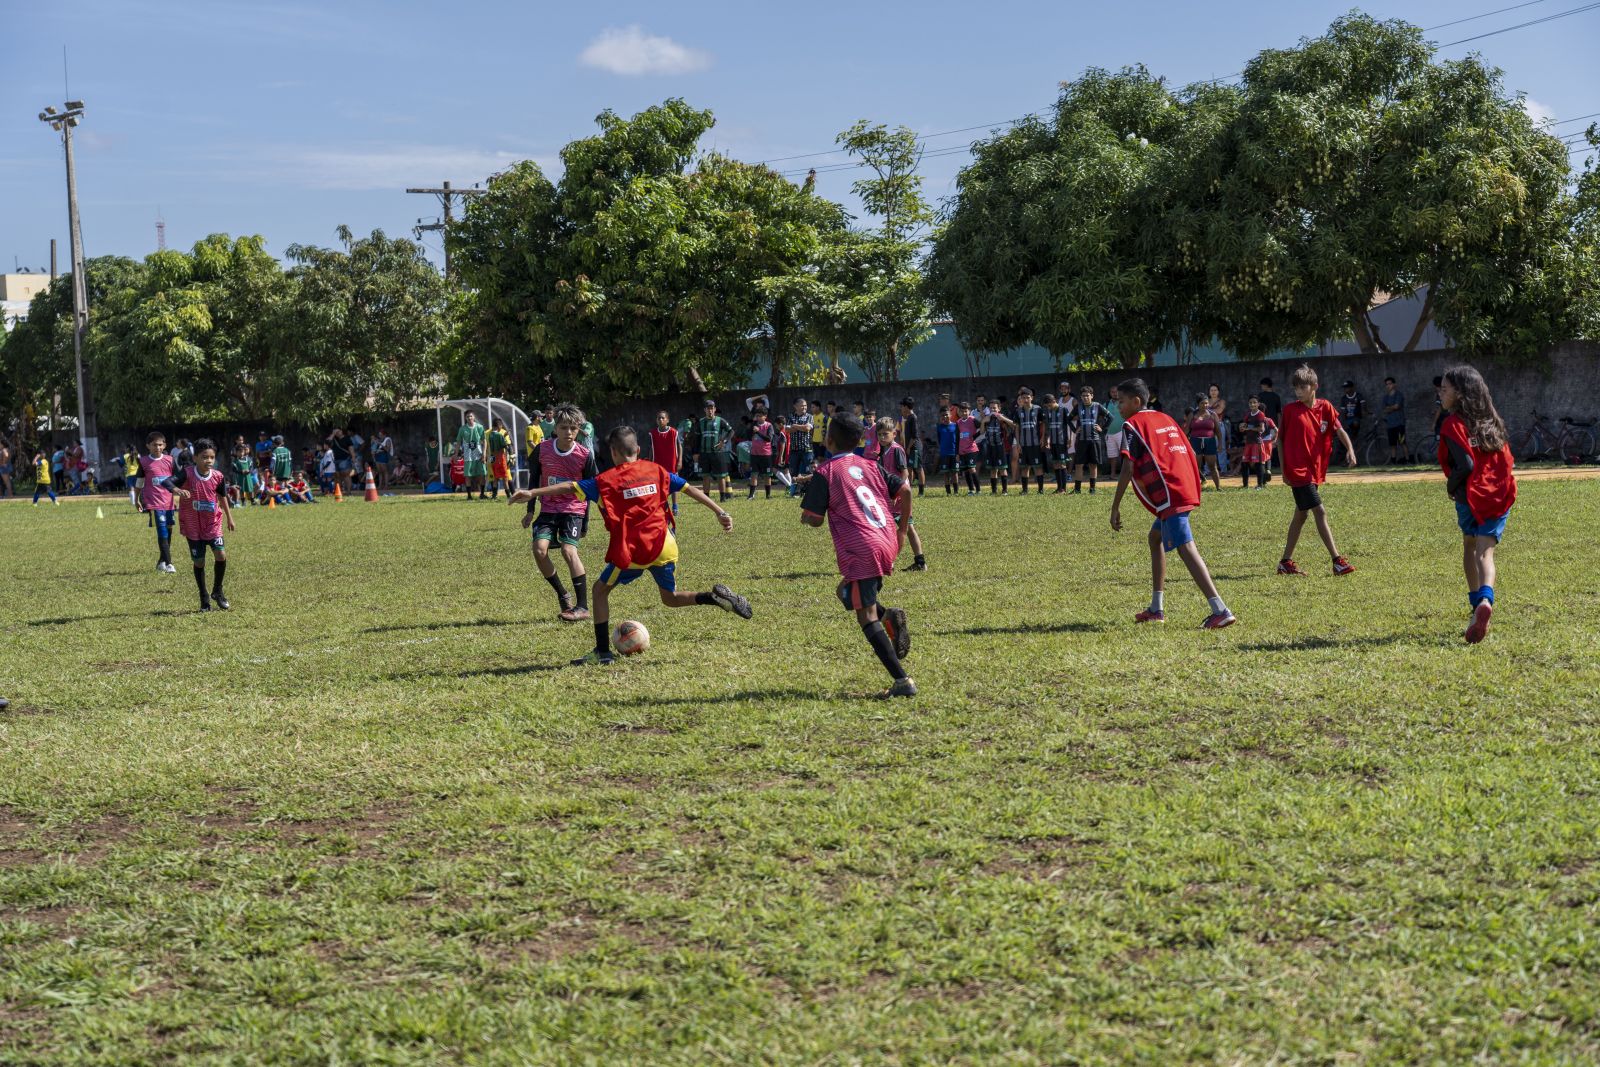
(643, 269)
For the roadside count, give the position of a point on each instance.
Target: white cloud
(380, 166)
(1539, 113)
(632, 51)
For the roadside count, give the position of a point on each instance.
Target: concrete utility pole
(62, 122)
(446, 194)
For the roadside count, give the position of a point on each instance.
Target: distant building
(16, 292)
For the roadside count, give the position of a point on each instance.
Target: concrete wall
(1570, 385)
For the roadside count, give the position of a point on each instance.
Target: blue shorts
(1175, 531)
(165, 521)
(1495, 528)
(665, 576)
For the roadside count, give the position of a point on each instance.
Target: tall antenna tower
(161, 232)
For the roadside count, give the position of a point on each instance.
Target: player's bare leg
(1296, 524)
(1325, 531)
(601, 653)
(1220, 616)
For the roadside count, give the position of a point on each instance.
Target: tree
(636, 272)
(361, 328)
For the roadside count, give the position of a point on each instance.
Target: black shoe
(919, 565)
(221, 602)
(595, 658)
(728, 600)
(205, 605)
(899, 627)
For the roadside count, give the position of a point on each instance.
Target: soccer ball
(631, 638)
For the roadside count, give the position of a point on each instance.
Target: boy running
(1477, 464)
(632, 496)
(157, 469)
(560, 460)
(202, 495)
(1305, 437)
(1166, 477)
(893, 463)
(852, 497)
(43, 483)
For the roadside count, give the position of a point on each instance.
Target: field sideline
(370, 816)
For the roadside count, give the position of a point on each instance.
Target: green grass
(368, 816)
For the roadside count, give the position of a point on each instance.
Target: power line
(1522, 25)
(1575, 118)
(1486, 14)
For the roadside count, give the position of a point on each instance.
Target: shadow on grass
(1306, 644)
(794, 575)
(1028, 628)
(67, 620)
(400, 627)
(476, 672)
(719, 698)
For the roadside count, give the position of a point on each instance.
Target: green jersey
(499, 441)
(714, 433)
(470, 440)
(282, 463)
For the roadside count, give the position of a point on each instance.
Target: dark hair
(623, 439)
(1304, 375)
(1486, 430)
(1135, 387)
(203, 444)
(155, 435)
(845, 433)
(1266, 382)
(907, 402)
(1438, 381)
(1387, 380)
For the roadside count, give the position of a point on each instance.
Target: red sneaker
(1343, 566)
(1480, 622)
(1219, 621)
(575, 615)
(1287, 566)
(1150, 616)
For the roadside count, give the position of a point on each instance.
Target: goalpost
(489, 408)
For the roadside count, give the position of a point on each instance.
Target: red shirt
(664, 447)
(1166, 475)
(635, 500)
(1305, 437)
(1491, 487)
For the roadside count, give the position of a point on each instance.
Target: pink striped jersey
(967, 434)
(761, 439)
(151, 469)
(854, 494)
(200, 516)
(552, 467)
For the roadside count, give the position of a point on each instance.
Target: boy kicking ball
(1161, 467)
(1304, 435)
(635, 500)
(852, 495)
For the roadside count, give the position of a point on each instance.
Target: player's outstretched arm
(695, 493)
(522, 496)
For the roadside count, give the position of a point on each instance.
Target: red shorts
(499, 468)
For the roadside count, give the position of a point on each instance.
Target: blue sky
(287, 119)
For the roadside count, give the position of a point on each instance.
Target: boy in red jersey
(1258, 431)
(852, 495)
(1305, 437)
(666, 449)
(202, 493)
(560, 460)
(1163, 471)
(1476, 458)
(633, 497)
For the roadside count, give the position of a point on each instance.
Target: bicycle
(1573, 442)
(1374, 449)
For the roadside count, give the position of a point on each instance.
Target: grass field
(369, 816)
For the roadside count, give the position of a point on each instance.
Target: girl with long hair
(1476, 460)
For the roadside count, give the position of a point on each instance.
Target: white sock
(1155, 600)
(1217, 606)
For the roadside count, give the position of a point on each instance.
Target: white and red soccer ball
(630, 638)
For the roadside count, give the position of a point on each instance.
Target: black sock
(561, 590)
(200, 580)
(580, 587)
(1061, 478)
(1091, 482)
(704, 598)
(919, 558)
(994, 485)
(165, 544)
(768, 488)
(220, 569)
(1005, 482)
(602, 638)
(1041, 483)
(878, 638)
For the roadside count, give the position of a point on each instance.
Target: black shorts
(1032, 456)
(799, 462)
(947, 463)
(713, 464)
(198, 546)
(859, 594)
(1397, 435)
(994, 455)
(1306, 497)
(968, 461)
(1060, 456)
(1088, 453)
(914, 460)
(760, 465)
(565, 529)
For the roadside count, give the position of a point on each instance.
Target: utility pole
(446, 194)
(62, 122)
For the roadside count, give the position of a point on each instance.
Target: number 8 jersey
(855, 496)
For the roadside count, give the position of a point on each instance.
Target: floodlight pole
(88, 433)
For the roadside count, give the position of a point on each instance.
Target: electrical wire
(1522, 25)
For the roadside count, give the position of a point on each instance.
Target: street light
(63, 122)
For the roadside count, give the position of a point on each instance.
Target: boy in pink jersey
(852, 495)
(762, 435)
(202, 493)
(563, 517)
(157, 469)
(893, 462)
(967, 448)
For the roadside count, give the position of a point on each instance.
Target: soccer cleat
(922, 566)
(899, 627)
(574, 614)
(221, 602)
(1343, 566)
(1221, 620)
(1287, 566)
(594, 658)
(728, 600)
(205, 605)
(1480, 623)
(1150, 616)
(902, 687)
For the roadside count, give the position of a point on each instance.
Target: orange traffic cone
(372, 488)
(338, 493)
(272, 503)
